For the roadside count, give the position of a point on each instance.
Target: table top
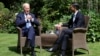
(48, 35)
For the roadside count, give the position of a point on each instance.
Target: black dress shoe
(63, 53)
(60, 55)
(52, 49)
(33, 54)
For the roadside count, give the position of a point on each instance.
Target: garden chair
(22, 40)
(79, 37)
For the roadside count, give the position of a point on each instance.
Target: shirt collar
(26, 14)
(76, 12)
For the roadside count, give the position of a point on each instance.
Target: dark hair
(75, 5)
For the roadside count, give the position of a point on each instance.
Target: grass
(8, 44)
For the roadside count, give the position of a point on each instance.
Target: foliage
(8, 47)
(6, 20)
(94, 27)
(51, 12)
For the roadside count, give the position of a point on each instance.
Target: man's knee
(31, 32)
(68, 31)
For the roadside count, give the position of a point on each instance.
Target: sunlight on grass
(8, 44)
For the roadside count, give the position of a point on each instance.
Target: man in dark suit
(25, 20)
(77, 20)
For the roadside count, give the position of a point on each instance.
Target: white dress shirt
(75, 15)
(28, 19)
(28, 23)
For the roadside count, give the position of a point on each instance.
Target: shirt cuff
(32, 19)
(25, 20)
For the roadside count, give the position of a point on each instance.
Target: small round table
(48, 40)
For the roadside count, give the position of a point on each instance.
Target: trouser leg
(31, 36)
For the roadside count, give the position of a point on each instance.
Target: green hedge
(51, 12)
(7, 18)
(93, 33)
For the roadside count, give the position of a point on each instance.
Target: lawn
(8, 44)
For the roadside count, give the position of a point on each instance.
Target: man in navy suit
(77, 20)
(25, 20)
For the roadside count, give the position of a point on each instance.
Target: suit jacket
(20, 20)
(79, 21)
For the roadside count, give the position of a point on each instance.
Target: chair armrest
(19, 31)
(40, 29)
(79, 30)
(18, 28)
(79, 36)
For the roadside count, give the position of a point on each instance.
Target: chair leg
(21, 50)
(40, 45)
(88, 51)
(72, 52)
(40, 48)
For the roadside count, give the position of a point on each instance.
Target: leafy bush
(94, 27)
(51, 12)
(6, 20)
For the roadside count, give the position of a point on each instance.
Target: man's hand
(58, 26)
(29, 17)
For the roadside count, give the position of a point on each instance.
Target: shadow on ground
(57, 53)
(17, 50)
(14, 49)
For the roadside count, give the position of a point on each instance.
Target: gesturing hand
(29, 17)
(58, 26)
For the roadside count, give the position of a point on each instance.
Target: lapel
(30, 14)
(72, 18)
(23, 15)
(76, 18)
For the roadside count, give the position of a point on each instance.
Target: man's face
(26, 9)
(72, 8)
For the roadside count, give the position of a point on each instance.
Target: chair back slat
(86, 21)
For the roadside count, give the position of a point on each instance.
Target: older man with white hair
(26, 20)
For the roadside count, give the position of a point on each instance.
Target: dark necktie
(74, 16)
(28, 23)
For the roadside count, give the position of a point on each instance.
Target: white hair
(25, 4)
